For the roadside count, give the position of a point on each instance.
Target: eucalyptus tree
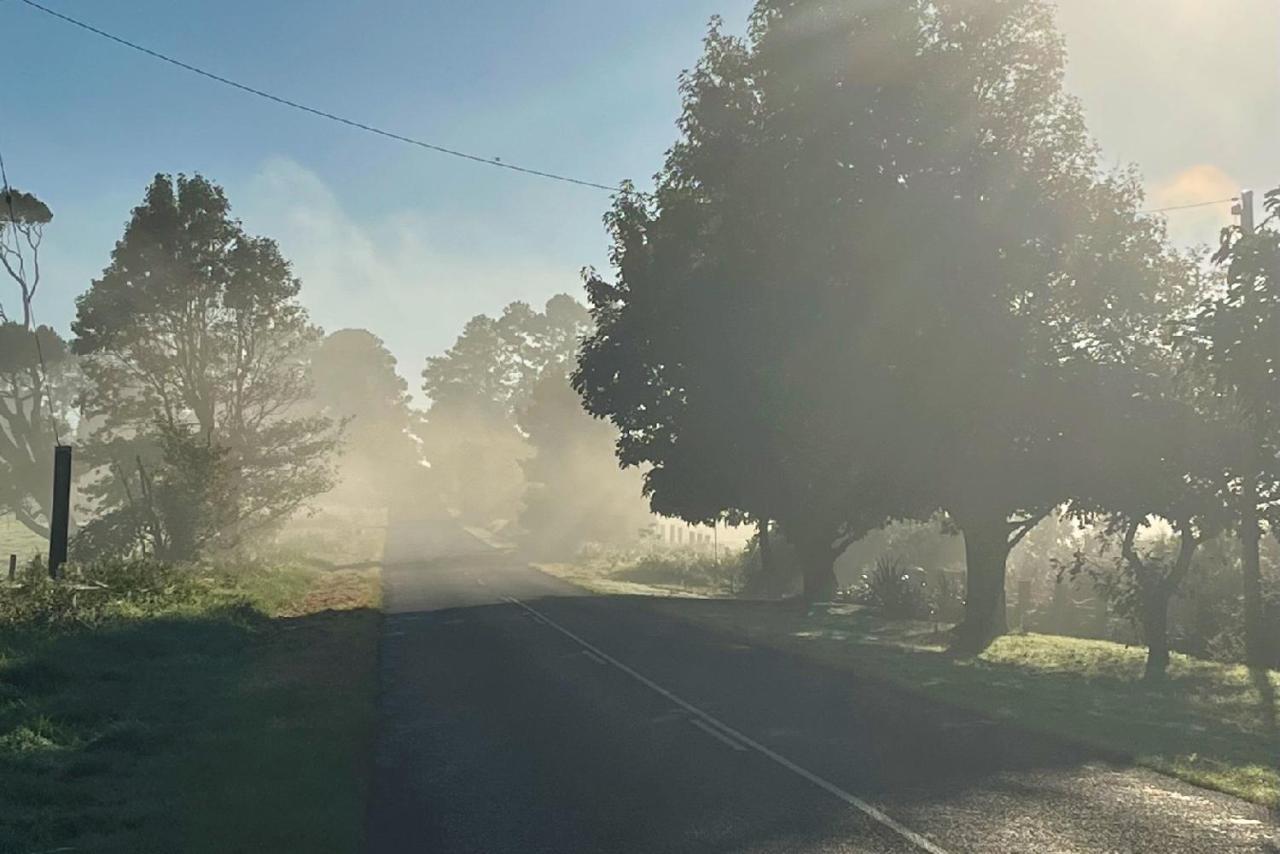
(38, 380)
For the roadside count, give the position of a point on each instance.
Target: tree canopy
(195, 328)
(866, 281)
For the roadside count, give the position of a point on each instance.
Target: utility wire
(487, 161)
(1192, 205)
(318, 112)
(30, 312)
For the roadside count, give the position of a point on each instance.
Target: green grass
(1209, 724)
(649, 572)
(238, 721)
(17, 539)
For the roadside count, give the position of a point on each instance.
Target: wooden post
(13, 567)
(61, 516)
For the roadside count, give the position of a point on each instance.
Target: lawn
(1210, 724)
(240, 721)
(17, 539)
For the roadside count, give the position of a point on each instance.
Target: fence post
(13, 567)
(60, 518)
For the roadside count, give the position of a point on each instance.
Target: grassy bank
(238, 719)
(1210, 724)
(650, 572)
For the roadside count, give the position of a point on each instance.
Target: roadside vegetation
(148, 708)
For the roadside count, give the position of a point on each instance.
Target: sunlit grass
(1207, 723)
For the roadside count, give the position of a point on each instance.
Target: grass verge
(240, 721)
(1210, 724)
(650, 572)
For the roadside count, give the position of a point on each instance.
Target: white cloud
(403, 275)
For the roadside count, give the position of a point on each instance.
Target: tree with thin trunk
(1234, 340)
(37, 373)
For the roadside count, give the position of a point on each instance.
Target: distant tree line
(208, 410)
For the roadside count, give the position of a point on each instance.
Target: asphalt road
(519, 714)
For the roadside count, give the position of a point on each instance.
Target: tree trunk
(819, 573)
(986, 551)
(1155, 629)
(767, 573)
(1251, 572)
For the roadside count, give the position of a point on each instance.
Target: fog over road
(520, 714)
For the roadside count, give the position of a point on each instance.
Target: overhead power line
(1190, 206)
(440, 149)
(487, 161)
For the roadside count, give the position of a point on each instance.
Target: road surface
(520, 714)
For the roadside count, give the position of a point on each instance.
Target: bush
(894, 589)
(88, 593)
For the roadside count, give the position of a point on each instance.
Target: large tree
(37, 373)
(882, 230)
(574, 492)
(1235, 341)
(478, 389)
(195, 328)
(356, 383)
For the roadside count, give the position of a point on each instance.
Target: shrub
(894, 589)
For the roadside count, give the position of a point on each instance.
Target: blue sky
(409, 243)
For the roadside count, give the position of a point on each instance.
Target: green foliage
(30, 396)
(574, 492)
(903, 198)
(355, 383)
(197, 325)
(896, 590)
(175, 511)
(480, 390)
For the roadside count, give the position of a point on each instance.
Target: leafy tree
(1157, 460)
(499, 361)
(196, 325)
(1235, 340)
(22, 221)
(173, 511)
(479, 388)
(574, 492)
(31, 397)
(356, 383)
(852, 294)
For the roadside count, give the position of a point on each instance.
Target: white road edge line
(717, 734)
(591, 655)
(854, 801)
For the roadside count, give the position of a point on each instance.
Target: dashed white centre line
(708, 722)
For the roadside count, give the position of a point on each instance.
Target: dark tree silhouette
(850, 294)
(1235, 341)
